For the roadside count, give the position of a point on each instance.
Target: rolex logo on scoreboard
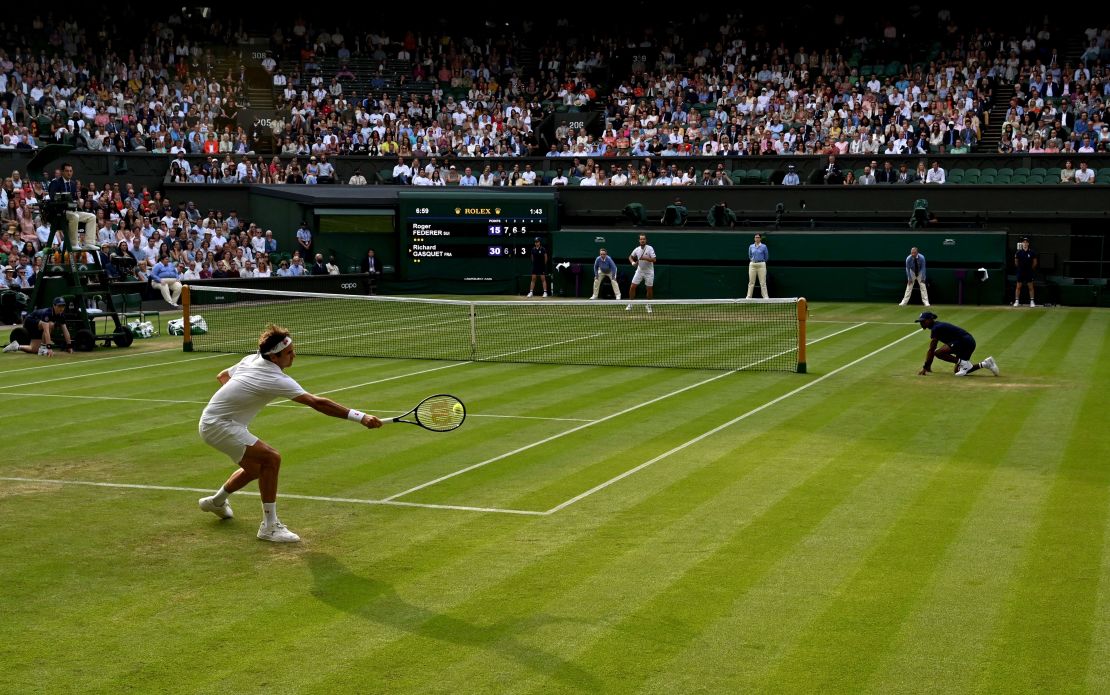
(458, 211)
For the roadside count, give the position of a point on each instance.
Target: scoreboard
(473, 234)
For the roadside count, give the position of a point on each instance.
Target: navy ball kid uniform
(538, 264)
(957, 339)
(1025, 264)
(31, 322)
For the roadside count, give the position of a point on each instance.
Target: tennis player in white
(245, 389)
(643, 259)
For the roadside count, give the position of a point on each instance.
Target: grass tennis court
(853, 529)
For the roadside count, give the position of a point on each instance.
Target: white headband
(285, 342)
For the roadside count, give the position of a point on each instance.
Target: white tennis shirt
(642, 252)
(255, 381)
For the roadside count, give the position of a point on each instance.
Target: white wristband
(355, 415)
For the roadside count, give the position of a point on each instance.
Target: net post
(187, 334)
(473, 331)
(802, 314)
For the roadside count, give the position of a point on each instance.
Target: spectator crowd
(715, 85)
(138, 229)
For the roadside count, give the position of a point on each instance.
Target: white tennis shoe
(649, 308)
(1016, 303)
(964, 368)
(529, 294)
(277, 533)
(628, 308)
(12, 346)
(990, 364)
(207, 504)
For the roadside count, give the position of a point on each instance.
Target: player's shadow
(371, 599)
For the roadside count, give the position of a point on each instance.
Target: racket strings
(441, 413)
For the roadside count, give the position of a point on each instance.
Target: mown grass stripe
(677, 612)
(1051, 604)
(577, 452)
(942, 642)
(841, 649)
(697, 492)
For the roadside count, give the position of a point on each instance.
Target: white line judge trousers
(597, 284)
(920, 280)
(757, 269)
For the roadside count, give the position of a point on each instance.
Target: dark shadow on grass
(371, 599)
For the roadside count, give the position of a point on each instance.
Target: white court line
(604, 419)
(276, 405)
(112, 371)
(75, 363)
(316, 498)
(717, 429)
(541, 347)
(532, 417)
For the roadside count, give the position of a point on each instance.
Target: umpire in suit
(65, 185)
(372, 267)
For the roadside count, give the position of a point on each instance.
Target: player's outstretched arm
(329, 407)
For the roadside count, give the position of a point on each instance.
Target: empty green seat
(1006, 171)
(972, 175)
(1003, 178)
(131, 306)
(754, 177)
(955, 176)
(1020, 171)
(1038, 171)
(765, 176)
(1035, 179)
(988, 171)
(986, 179)
(1019, 179)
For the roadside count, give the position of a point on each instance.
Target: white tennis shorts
(227, 436)
(647, 278)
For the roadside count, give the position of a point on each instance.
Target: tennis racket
(439, 413)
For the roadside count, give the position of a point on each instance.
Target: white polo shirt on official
(645, 270)
(255, 381)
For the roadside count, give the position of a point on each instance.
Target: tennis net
(727, 334)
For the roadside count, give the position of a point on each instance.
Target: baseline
(284, 495)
